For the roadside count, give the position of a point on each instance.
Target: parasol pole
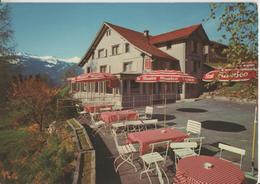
(164, 104)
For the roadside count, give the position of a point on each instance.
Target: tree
(36, 95)
(6, 51)
(238, 23)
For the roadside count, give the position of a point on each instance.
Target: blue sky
(66, 30)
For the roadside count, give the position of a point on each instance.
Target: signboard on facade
(148, 64)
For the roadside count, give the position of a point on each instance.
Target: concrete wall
(115, 63)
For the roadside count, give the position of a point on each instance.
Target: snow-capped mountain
(53, 67)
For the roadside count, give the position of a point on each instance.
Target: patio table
(190, 170)
(144, 138)
(116, 116)
(95, 108)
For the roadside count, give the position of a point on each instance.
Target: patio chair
(193, 128)
(81, 113)
(183, 149)
(148, 122)
(147, 114)
(160, 173)
(133, 126)
(153, 158)
(232, 149)
(125, 152)
(198, 140)
(96, 125)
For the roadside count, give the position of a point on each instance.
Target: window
(93, 56)
(134, 85)
(88, 69)
(168, 46)
(103, 68)
(179, 86)
(194, 46)
(101, 53)
(108, 33)
(115, 49)
(194, 67)
(106, 53)
(127, 67)
(127, 48)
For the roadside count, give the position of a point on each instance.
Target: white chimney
(146, 33)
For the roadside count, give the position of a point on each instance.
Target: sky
(66, 30)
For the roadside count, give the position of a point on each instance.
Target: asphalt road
(222, 121)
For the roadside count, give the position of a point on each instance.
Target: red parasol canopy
(173, 76)
(225, 75)
(96, 77)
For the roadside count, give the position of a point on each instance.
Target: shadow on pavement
(193, 110)
(160, 117)
(222, 126)
(105, 172)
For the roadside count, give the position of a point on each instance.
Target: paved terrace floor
(225, 122)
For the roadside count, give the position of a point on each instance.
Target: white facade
(115, 63)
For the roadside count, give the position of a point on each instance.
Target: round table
(191, 170)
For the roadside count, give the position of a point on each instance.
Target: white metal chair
(148, 122)
(193, 128)
(81, 113)
(198, 140)
(96, 125)
(183, 149)
(232, 149)
(147, 114)
(125, 153)
(153, 158)
(160, 173)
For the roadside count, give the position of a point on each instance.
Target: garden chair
(149, 122)
(81, 113)
(183, 149)
(96, 125)
(232, 149)
(125, 152)
(147, 114)
(198, 140)
(193, 128)
(153, 158)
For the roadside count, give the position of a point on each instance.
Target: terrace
(222, 122)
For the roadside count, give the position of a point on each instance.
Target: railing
(85, 171)
(130, 101)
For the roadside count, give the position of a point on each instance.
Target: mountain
(50, 66)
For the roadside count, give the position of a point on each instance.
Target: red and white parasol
(166, 76)
(96, 77)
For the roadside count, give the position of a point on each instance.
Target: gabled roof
(140, 41)
(175, 35)
(135, 38)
